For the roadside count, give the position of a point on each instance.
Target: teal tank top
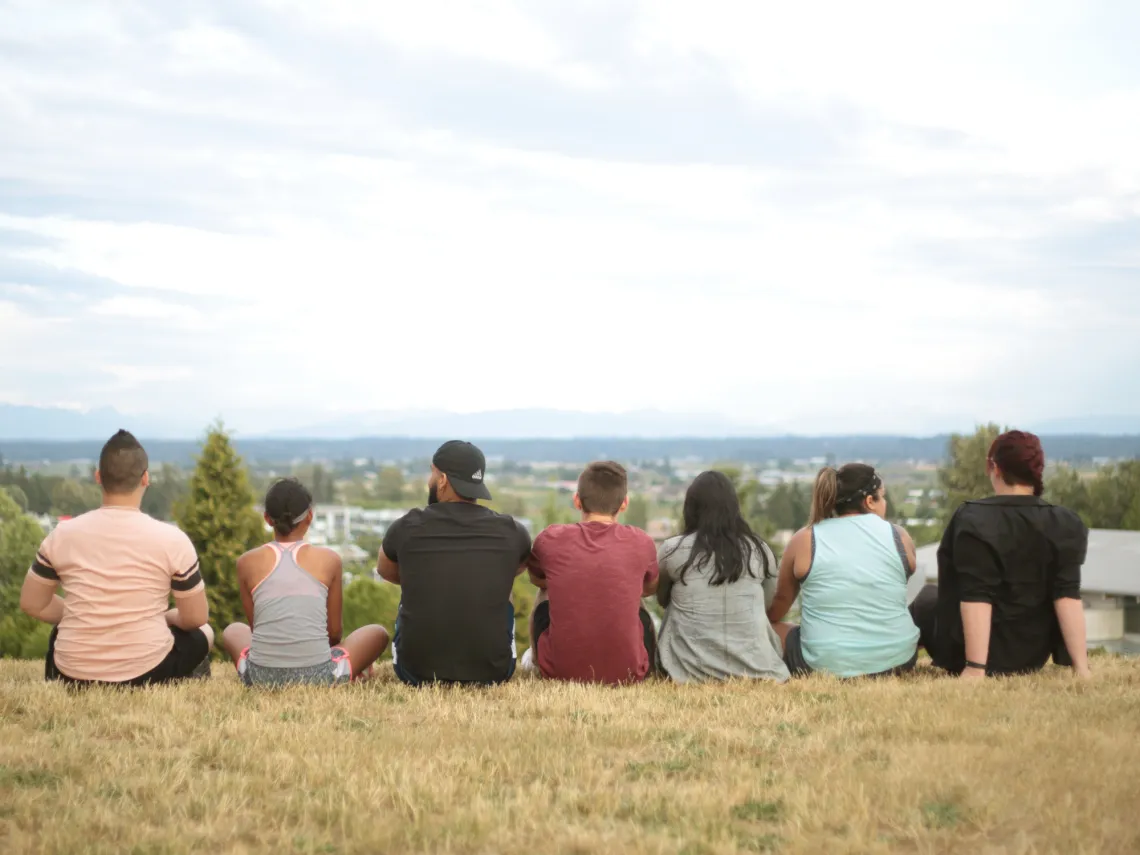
(854, 619)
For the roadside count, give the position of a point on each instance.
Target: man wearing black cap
(456, 562)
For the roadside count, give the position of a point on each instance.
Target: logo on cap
(477, 475)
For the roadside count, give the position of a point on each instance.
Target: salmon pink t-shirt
(595, 574)
(118, 568)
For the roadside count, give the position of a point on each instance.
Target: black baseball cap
(464, 465)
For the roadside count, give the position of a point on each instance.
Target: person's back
(595, 574)
(1019, 550)
(290, 613)
(456, 562)
(1009, 575)
(853, 599)
(718, 631)
(118, 567)
(292, 595)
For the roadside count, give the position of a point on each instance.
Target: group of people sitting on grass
(1007, 599)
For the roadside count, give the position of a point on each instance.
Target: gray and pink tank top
(290, 614)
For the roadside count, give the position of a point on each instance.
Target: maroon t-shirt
(595, 573)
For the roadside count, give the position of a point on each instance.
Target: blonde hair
(824, 494)
(847, 487)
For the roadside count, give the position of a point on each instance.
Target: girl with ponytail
(850, 567)
(291, 593)
(1009, 575)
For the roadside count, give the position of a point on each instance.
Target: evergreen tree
(219, 518)
(20, 537)
(964, 477)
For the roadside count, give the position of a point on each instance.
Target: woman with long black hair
(717, 579)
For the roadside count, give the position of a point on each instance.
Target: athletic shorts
(337, 670)
(191, 647)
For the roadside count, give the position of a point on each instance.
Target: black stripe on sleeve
(43, 570)
(188, 584)
(185, 574)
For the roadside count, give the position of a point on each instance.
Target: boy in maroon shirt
(588, 624)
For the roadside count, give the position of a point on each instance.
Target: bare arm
(976, 619)
(388, 569)
(336, 602)
(651, 586)
(38, 599)
(788, 584)
(911, 552)
(1071, 617)
(538, 581)
(190, 611)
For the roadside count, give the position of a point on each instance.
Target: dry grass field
(904, 765)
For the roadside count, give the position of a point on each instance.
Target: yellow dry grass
(921, 764)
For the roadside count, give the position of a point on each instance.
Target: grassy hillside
(914, 765)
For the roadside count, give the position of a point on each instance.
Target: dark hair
(720, 532)
(843, 490)
(122, 464)
(602, 487)
(286, 504)
(1020, 458)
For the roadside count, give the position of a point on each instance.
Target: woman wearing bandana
(850, 568)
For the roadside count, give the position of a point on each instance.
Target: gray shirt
(717, 632)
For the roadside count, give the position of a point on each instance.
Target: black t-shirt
(1020, 554)
(457, 562)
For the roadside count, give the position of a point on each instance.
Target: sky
(811, 217)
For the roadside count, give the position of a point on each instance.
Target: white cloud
(282, 229)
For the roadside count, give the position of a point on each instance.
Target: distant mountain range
(56, 424)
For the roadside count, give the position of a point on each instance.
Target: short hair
(602, 487)
(287, 504)
(122, 464)
(1021, 459)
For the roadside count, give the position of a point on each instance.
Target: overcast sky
(825, 217)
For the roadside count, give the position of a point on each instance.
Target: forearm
(51, 613)
(781, 605)
(976, 620)
(1071, 617)
(176, 618)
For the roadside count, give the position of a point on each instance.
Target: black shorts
(797, 665)
(648, 632)
(794, 654)
(189, 651)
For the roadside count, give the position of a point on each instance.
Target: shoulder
(1067, 529)
(323, 553)
(254, 554)
(174, 539)
(801, 538)
(677, 543)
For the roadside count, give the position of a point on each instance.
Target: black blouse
(1019, 554)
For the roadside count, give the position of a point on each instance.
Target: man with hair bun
(1009, 575)
(119, 567)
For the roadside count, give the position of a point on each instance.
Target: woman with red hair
(1009, 576)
